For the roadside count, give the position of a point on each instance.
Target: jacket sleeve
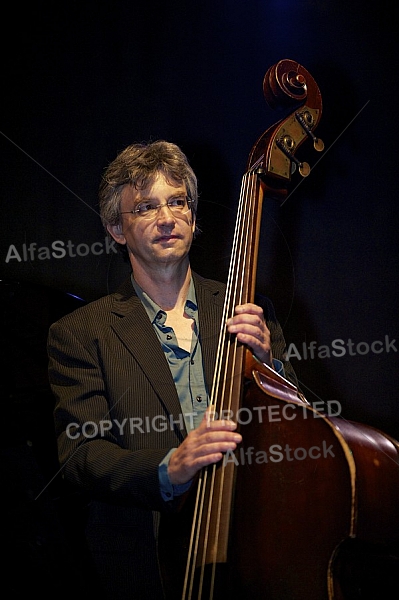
(90, 453)
(279, 349)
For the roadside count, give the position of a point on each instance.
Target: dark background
(81, 80)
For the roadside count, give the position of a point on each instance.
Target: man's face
(164, 238)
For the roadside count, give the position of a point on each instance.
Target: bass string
(228, 371)
(237, 292)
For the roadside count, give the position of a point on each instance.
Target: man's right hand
(203, 446)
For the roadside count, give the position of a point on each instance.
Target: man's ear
(116, 232)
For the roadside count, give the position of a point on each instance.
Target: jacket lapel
(210, 298)
(134, 326)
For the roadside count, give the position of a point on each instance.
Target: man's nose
(165, 214)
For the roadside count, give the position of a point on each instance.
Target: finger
(245, 318)
(249, 308)
(211, 421)
(210, 440)
(189, 458)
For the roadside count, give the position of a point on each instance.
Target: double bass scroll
(287, 85)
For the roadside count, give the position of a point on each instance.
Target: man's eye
(145, 207)
(177, 202)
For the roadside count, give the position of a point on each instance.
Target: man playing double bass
(131, 372)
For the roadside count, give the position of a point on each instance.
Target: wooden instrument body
(307, 483)
(271, 520)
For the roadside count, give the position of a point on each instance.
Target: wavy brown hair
(138, 165)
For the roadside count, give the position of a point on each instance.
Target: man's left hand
(248, 324)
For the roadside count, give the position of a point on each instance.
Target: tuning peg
(285, 144)
(306, 121)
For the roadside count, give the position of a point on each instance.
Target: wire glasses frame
(148, 210)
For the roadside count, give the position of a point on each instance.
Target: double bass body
(316, 499)
(308, 498)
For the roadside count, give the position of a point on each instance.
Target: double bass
(308, 498)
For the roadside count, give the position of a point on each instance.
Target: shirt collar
(153, 309)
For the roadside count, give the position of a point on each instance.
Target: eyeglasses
(148, 210)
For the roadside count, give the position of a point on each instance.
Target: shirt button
(168, 337)
(199, 398)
